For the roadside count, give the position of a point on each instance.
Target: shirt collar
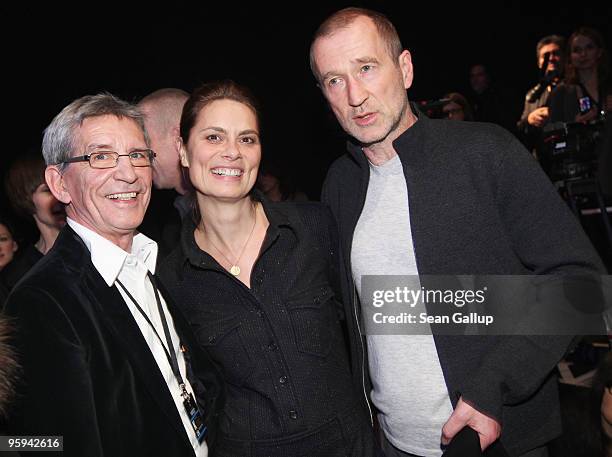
(276, 214)
(108, 258)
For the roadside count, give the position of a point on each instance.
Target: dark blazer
(88, 373)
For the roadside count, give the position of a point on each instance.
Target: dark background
(58, 52)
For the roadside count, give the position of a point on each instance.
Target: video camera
(570, 149)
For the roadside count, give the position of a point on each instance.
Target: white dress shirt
(113, 263)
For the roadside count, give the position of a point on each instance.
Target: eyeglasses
(109, 159)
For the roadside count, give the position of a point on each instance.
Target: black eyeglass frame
(87, 158)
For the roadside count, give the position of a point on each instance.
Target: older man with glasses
(105, 358)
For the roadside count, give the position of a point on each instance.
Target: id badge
(585, 104)
(195, 417)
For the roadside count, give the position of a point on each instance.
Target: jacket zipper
(363, 386)
(356, 302)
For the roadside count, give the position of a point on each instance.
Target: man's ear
(182, 152)
(175, 133)
(56, 183)
(405, 64)
(15, 246)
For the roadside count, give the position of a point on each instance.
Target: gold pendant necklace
(234, 268)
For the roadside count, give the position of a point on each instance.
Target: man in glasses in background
(105, 358)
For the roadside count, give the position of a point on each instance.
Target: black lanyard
(169, 352)
(191, 407)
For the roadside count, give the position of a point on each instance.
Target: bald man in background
(170, 201)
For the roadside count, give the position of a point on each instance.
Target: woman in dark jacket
(585, 93)
(31, 199)
(256, 281)
(8, 247)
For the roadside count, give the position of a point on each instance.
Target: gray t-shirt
(408, 384)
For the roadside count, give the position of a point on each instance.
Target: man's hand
(538, 116)
(488, 429)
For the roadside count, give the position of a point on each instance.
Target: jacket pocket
(312, 314)
(223, 341)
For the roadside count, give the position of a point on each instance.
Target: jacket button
(272, 346)
(212, 339)
(293, 414)
(282, 379)
(317, 300)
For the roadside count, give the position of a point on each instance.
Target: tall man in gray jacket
(429, 197)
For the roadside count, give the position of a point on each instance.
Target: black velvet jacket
(88, 373)
(280, 342)
(479, 204)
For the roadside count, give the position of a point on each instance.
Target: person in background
(458, 108)
(257, 282)
(162, 110)
(170, 199)
(585, 97)
(8, 247)
(491, 102)
(480, 80)
(31, 198)
(586, 92)
(550, 50)
(403, 182)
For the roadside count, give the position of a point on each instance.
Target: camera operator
(549, 53)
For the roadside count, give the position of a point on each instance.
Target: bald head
(162, 110)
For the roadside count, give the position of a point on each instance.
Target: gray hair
(59, 140)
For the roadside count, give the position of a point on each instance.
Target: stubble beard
(395, 124)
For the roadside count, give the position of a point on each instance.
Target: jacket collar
(71, 248)
(108, 258)
(275, 213)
